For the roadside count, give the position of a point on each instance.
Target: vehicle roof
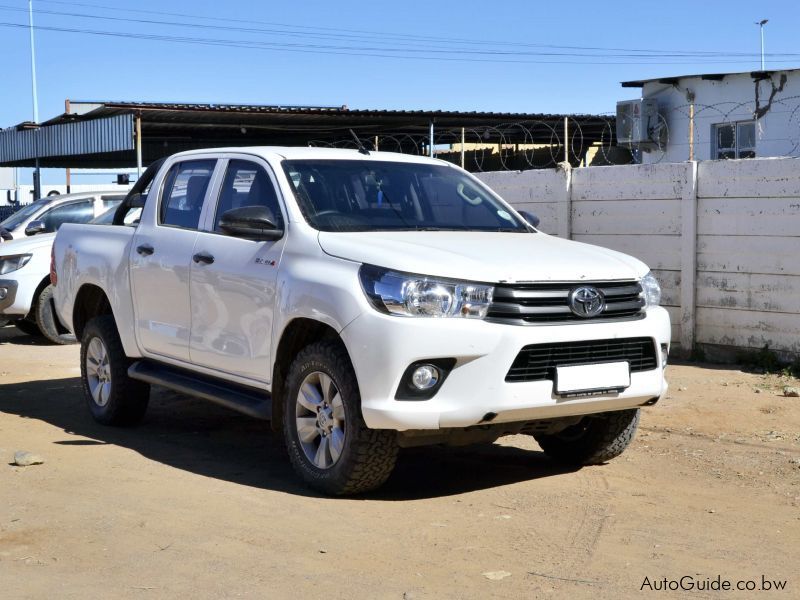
(304, 152)
(84, 195)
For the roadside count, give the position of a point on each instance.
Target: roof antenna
(361, 148)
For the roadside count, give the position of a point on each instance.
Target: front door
(161, 259)
(233, 281)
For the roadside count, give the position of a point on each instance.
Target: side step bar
(250, 401)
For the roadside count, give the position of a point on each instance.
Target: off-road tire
(593, 440)
(28, 327)
(47, 321)
(128, 398)
(368, 455)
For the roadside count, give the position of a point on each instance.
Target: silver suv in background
(25, 291)
(46, 215)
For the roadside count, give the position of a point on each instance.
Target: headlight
(409, 295)
(651, 290)
(13, 262)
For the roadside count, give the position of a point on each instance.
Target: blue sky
(84, 66)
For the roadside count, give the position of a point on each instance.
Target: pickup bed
(361, 302)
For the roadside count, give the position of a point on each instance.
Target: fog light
(664, 354)
(425, 377)
(3, 293)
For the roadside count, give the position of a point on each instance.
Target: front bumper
(381, 347)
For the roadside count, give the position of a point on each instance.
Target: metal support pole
(33, 65)
(138, 146)
(376, 143)
(761, 24)
(566, 139)
(463, 140)
(37, 184)
(68, 110)
(37, 187)
(431, 146)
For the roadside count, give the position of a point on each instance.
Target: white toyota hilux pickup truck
(362, 302)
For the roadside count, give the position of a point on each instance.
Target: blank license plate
(585, 379)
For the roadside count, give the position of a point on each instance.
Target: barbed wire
(537, 144)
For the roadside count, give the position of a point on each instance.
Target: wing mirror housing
(531, 218)
(250, 222)
(35, 227)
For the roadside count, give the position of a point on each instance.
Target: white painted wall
(722, 237)
(728, 100)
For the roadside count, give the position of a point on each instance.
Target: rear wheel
(329, 444)
(47, 320)
(593, 440)
(113, 398)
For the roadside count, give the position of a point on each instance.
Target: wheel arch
(35, 299)
(298, 333)
(90, 301)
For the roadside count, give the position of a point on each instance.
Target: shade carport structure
(127, 134)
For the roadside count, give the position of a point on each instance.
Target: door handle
(145, 249)
(203, 257)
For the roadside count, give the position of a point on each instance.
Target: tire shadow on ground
(199, 437)
(10, 335)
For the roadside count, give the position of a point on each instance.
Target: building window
(734, 140)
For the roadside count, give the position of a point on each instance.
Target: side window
(76, 212)
(111, 201)
(734, 140)
(184, 190)
(247, 184)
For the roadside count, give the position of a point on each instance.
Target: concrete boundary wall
(722, 237)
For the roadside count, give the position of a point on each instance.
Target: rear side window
(76, 212)
(184, 190)
(247, 184)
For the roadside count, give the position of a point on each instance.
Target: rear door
(233, 286)
(161, 259)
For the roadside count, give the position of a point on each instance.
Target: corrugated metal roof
(110, 134)
(147, 108)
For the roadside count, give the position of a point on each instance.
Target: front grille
(538, 362)
(547, 303)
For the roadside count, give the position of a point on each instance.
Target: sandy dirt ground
(199, 502)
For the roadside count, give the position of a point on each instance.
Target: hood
(26, 244)
(490, 257)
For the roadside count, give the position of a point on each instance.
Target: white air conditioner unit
(638, 123)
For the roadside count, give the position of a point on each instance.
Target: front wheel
(593, 440)
(113, 398)
(329, 444)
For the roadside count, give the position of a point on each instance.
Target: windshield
(371, 195)
(24, 214)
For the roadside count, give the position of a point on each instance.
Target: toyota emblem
(586, 302)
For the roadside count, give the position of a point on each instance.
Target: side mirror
(531, 218)
(35, 227)
(251, 222)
